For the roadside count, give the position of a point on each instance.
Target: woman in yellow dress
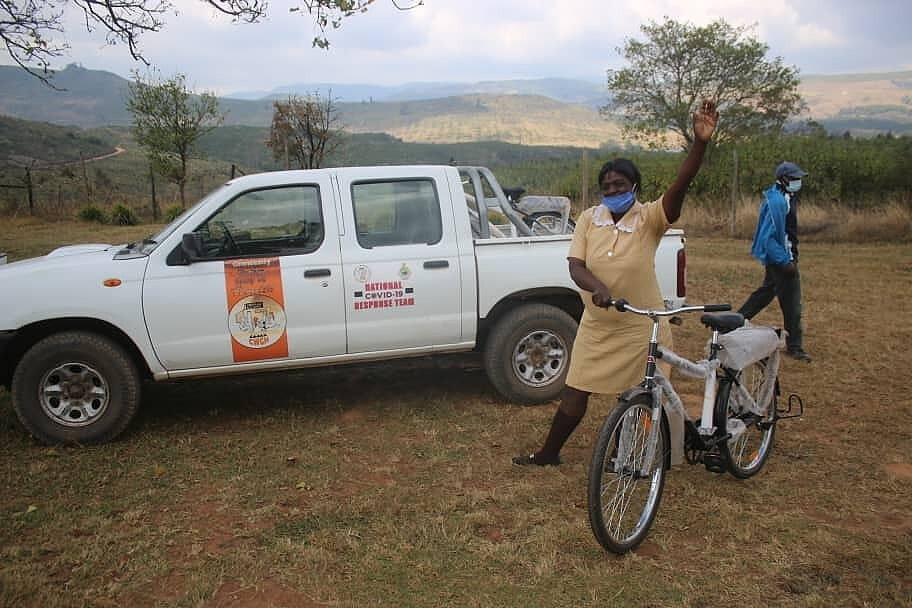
(612, 256)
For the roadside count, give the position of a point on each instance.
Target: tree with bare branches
(34, 36)
(305, 129)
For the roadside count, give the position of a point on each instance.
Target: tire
(622, 500)
(527, 353)
(75, 387)
(548, 223)
(745, 454)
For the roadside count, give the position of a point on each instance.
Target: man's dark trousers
(778, 283)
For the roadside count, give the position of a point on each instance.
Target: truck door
(400, 261)
(268, 285)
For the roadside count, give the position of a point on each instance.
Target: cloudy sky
(475, 40)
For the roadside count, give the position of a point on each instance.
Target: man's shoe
(525, 460)
(799, 354)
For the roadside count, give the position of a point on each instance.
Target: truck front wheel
(528, 352)
(75, 387)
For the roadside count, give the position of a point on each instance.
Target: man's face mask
(793, 185)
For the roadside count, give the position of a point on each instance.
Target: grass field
(391, 484)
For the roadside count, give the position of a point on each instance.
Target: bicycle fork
(628, 432)
(629, 446)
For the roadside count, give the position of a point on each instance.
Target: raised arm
(704, 124)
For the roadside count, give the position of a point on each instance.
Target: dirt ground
(390, 484)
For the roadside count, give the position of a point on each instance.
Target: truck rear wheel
(75, 387)
(528, 352)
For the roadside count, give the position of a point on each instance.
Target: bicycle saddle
(722, 322)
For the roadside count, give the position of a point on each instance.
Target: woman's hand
(704, 121)
(601, 297)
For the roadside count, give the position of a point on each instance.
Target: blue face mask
(619, 203)
(794, 185)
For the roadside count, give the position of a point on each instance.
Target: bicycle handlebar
(717, 307)
(622, 305)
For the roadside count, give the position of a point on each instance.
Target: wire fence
(56, 190)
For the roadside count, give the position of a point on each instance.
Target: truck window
(400, 212)
(274, 221)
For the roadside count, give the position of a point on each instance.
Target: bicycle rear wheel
(752, 442)
(625, 490)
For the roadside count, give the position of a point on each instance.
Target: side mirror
(192, 246)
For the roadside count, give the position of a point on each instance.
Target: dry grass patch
(391, 484)
(889, 222)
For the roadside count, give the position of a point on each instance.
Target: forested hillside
(27, 142)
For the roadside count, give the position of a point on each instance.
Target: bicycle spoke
(746, 454)
(625, 481)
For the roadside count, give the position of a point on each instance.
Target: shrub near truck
(293, 269)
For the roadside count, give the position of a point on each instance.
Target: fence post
(85, 178)
(154, 199)
(734, 193)
(584, 191)
(31, 195)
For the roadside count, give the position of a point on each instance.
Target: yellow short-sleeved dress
(609, 353)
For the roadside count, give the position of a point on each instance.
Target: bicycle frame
(655, 382)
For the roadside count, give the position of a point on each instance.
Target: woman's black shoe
(525, 460)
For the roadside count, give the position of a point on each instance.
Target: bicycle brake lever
(620, 304)
(676, 320)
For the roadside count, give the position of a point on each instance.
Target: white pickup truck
(292, 269)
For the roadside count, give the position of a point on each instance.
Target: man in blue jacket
(776, 246)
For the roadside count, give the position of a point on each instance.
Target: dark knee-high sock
(562, 427)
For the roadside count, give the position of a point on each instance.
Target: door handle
(437, 264)
(319, 272)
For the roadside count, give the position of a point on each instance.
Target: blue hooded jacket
(770, 245)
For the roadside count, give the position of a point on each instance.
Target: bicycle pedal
(714, 463)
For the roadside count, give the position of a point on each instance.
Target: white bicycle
(649, 430)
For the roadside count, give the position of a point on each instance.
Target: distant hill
(40, 145)
(245, 146)
(861, 103)
(581, 92)
(91, 98)
(519, 119)
(549, 111)
(86, 98)
(37, 144)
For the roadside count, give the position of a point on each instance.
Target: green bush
(122, 215)
(91, 213)
(172, 212)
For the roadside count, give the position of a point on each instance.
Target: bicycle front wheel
(625, 477)
(751, 443)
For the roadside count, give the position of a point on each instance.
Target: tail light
(682, 273)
